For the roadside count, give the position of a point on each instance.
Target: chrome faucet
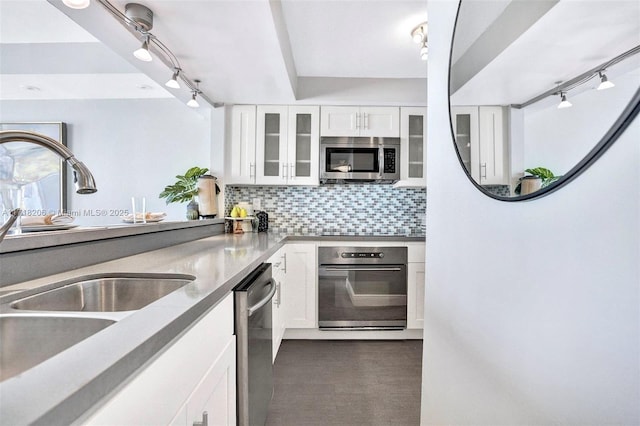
(83, 179)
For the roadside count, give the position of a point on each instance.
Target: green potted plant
(185, 190)
(537, 178)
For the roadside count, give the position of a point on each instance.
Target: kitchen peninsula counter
(61, 389)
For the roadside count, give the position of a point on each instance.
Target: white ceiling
(570, 38)
(244, 51)
(304, 51)
(44, 56)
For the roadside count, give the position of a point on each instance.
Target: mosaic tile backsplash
(353, 209)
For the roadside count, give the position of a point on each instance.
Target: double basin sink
(39, 326)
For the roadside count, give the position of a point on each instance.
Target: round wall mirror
(538, 90)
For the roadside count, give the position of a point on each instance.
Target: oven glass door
(352, 160)
(362, 296)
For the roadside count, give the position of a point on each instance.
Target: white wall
(132, 147)
(532, 308)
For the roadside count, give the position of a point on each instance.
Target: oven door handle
(364, 268)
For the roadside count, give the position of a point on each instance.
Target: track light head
(194, 93)
(193, 103)
(564, 103)
(77, 4)
(419, 33)
(143, 53)
(604, 81)
(173, 81)
(424, 51)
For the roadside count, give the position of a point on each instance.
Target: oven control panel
(360, 255)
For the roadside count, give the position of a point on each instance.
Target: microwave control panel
(389, 160)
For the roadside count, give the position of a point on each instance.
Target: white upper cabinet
(493, 136)
(360, 121)
(243, 145)
(275, 145)
(271, 145)
(303, 149)
(481, 137)
(413, 136)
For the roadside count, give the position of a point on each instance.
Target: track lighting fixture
(193, 103)
(419, 36)
(76, 4)
(604, 81)
(564, 103)
(139, 19)
(143, 53)
(173, 82)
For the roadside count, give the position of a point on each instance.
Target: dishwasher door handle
(264, 301)
(356, 268)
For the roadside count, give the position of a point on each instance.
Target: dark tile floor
(347, 383)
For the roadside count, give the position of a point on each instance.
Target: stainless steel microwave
(359, 159)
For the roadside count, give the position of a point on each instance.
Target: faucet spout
(85, 184)
(9, 223)
(83, 179)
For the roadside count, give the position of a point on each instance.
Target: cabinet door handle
(483, 166)
(366, 120)
(205, 420)
(284, 171)
(292, 171)
(357, 120)
(252, 167)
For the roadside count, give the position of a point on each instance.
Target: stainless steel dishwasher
(254, 355)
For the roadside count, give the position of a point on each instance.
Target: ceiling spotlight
(564, 103)
(143, 53)
(76, 4)
(604, 82)
(173, 82)
(193, 103)
(419, 33)
(424, 51)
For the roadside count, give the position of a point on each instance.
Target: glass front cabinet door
(413, 137)
(303, 150)
(288, 143)
(271, 145)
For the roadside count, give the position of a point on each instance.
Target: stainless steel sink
(26, 341)
(105, 294)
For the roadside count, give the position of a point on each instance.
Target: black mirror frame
(619, 126)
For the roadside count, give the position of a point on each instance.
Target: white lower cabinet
(300, 293)
(415, 285)
(215, 396)
(197, 373)
(278, 270)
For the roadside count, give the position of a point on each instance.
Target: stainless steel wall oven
(362, 287)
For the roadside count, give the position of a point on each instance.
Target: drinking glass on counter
(140, 202)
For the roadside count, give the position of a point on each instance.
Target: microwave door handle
(380, 162)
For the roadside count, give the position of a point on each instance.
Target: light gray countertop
(33, 240)
(61, 389)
